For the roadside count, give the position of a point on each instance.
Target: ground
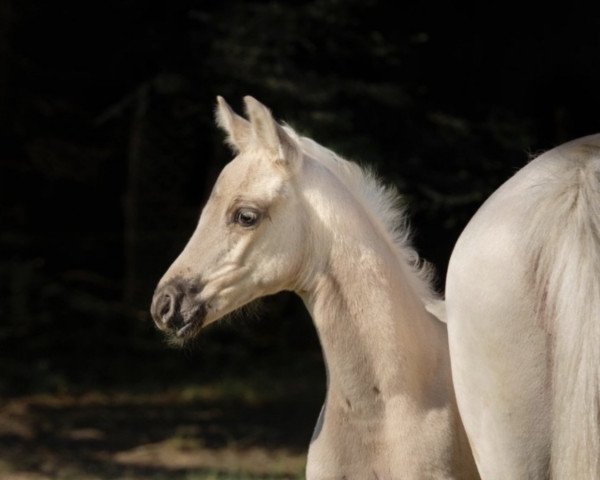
(225, 430)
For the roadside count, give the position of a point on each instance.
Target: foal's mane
(384, 204)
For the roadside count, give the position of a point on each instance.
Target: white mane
(383, 202)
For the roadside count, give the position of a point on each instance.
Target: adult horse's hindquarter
(523, 307)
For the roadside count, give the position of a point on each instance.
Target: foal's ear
(271, 136)
(238, 129)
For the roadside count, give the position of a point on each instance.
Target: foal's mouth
(188, 323)
(177, 310)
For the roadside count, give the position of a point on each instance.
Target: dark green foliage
(108, 149)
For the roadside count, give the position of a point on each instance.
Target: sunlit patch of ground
(180, 455)
(221, 431)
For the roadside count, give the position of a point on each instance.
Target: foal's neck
(378, 340)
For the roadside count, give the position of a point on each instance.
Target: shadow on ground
(192, 433)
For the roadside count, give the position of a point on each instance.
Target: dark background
(108, 151)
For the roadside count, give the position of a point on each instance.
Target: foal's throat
(373, 330)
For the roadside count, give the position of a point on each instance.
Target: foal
(289, 214)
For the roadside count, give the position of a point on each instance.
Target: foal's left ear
(271, 136)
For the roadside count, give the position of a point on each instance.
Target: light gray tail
(565, 249)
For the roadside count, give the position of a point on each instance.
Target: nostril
(166, 307)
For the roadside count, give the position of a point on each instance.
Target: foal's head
(250, 240)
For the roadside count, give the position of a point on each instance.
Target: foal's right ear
(238, 129)
(271, 136)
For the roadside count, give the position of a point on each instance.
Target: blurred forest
(108, 150)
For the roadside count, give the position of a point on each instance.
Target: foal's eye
(246, 217)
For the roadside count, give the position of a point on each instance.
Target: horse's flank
(523, 301)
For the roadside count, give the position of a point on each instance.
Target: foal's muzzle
(175, 310)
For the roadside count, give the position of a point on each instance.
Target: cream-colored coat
(288, 214)
(523, 307)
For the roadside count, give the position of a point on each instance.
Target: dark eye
(246, 217)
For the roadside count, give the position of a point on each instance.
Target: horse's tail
(565, 249)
